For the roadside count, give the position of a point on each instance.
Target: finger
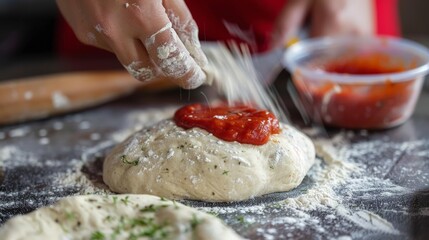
(163, 45)
(134, 57)
(289, 21)
(186, 28)
(171, 56)
(130, 52)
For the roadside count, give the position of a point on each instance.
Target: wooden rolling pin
(43, 96)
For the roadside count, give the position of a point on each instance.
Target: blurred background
(28, 30)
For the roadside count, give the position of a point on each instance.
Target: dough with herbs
(169, 161)
(116, 217)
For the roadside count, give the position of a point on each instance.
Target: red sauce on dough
(360, 105)
(240, 123)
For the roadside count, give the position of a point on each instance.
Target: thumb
(289, 21)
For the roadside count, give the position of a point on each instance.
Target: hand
(153, 39)
(327, 17)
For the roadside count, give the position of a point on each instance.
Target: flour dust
(336, 183)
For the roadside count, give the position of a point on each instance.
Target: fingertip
(173, 59)
(188, 34)
(197, 77)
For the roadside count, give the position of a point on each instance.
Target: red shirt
(255, 17)
(258, 17)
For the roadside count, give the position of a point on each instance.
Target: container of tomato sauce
(358, 82)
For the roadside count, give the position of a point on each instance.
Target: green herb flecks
(152, 208)
(185, 145)
(195, 221)
(225, 172)
(125, 200)
(213, 213)
(241, 219)
(143, 226)
(97, 235)
(70, 216)
(115, 200)
(175, 205)
(108, 218)
(125, 160)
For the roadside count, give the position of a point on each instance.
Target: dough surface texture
(168, 161)
(116, 217)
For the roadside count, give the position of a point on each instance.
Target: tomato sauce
(375, 63)
(239, 123)
(360, 105)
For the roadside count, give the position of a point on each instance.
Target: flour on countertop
(11, 157)
(337, 180)
(367, 220)
(334, 170)
(19, 132)
(135, 121)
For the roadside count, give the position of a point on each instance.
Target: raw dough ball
(168, 161)
(116, 217)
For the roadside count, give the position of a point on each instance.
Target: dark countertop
(34, 155)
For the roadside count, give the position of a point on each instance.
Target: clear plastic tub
(358, 82)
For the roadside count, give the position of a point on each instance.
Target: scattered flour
(57, 125)
(59, 100)
(19, 132)
(334, 169)
(28, 95)
(367, 220)
(84, 125)
(11, 157)
(95, 136)
(44, 141)
(335, 180)
(74, 177)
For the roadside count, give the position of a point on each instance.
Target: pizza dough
(116, 217)
(168, 161)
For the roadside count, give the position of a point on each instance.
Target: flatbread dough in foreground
(169, 161)
(116, 217)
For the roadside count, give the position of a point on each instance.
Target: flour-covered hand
(153, 39)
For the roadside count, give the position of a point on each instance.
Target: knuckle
(141, 72)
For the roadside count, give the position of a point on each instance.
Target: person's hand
(153, 39)
(326, 17)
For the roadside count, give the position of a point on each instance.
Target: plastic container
(358, 82)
